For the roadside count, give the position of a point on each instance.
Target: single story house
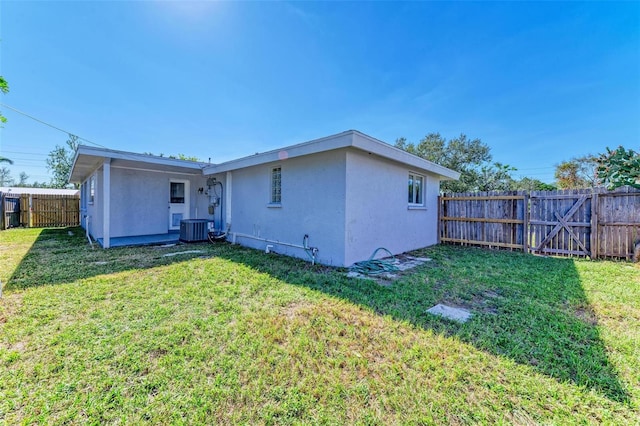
(335, 199)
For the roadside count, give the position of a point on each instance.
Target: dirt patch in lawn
(586, 315)
(10, 305)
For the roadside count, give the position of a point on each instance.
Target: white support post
(106, 203)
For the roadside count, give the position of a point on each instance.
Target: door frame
(187, 201)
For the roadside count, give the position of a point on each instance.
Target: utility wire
(33, 160)
(25, 153)
(51, 125)
(71, 135)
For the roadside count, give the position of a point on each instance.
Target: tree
(470, 157)
(185, 157)
(496, 177)
(5, 177)
(22, 180)
(531, 184)
(579, 172)
(175, 157)
(60, 161)
(619, 167)
(7, 180)
(455, 154)
(4, 88)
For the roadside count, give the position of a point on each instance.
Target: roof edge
(273, 155)
(400, 155)
(100, 152)
(349, 138)
(134, 156)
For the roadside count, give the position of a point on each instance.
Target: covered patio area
(172, 237)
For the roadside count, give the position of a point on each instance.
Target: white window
(92, 189)
(416, 190)
(83, 195)
(177, 192)
(276, 185)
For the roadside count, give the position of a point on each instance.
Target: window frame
(83, 195)
(275, 186)
(416, 196)
(174, 191)
(91, 190)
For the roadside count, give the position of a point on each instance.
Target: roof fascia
(337, 141)
(350, 138)
(132, 156)
(369, 144)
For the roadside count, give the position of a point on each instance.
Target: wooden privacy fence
(587, 222)
(39, 210)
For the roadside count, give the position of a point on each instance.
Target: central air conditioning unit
(194, 230)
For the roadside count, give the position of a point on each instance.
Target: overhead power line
(51, 125)
(33, 160)
(538, 168)
(24, 153)
(70, 134)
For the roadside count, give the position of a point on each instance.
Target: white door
(178, 202)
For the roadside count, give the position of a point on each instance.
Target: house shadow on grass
(530, 309)
(63, 255)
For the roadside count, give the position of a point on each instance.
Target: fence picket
(47, 210)
(586, 222)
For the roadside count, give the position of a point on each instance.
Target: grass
(233, 335)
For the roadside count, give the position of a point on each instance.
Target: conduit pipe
(87, 219)
(223, 235)
(266, 240)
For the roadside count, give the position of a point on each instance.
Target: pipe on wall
(266, 240)
(87, 220)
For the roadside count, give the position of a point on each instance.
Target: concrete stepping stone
(449, 312)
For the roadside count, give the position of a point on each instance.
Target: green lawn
(232, 335)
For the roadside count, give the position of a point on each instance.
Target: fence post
(439, 218)
(30, 214)
(594, 226)
(525, 225)
(23, 218)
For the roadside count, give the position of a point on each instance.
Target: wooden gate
(560, 222)
(582, 222)
(52, 210)
(11, 212)
(39, 210)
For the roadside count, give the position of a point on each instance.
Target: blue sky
(538, 82)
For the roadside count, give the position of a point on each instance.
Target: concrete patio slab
(144, 240)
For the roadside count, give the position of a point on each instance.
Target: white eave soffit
(90, 158)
